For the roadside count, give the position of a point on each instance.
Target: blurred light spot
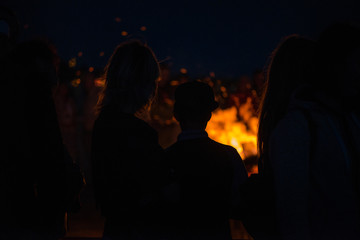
(143, 28)
(78, 73)
(80, 54)
(169, 101)
(183, 70)
(168, 122)
(91, 69)
(72, 62)
(254, 93)
(76, 82)
(117, 19)
(212, 74)
(174, 83)
(124, 33)
(101, 54)
(223, 89)
(99, 82)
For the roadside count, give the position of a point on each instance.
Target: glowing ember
(99, 82)
(224, 127)
(72, 62)
(76, 82)
(183, 70)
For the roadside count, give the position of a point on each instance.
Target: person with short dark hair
(208, 174)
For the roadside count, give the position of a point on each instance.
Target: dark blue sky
(230, 38)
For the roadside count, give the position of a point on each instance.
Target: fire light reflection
(224, 127)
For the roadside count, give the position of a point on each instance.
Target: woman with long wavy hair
(125, 151)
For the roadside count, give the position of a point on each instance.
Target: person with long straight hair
(308, 145)
(125, 151)
(288, 69)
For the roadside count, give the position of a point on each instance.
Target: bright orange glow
(224, 127)
(72, 62)
(183, 70)
(99, 82)
(75, 82)
(174, 83)
(91, 69)
(124, 33)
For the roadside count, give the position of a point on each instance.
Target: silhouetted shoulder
(293, 124)
(203, 150)
(230, 149)
(111, 121)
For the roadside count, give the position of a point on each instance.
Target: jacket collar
(192, 134)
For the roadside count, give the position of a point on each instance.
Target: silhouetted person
(306, 149)
(125, 149)
(7, 43)
(208, 174)
(289, 68)
(36, 170)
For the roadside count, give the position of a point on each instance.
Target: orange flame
(224, 127)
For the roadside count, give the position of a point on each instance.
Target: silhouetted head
(131, 77)
(33, 75)
(338, 61)
(33, 71)
(194, 102)
(8, 37)
(290, 66)
(9, 17)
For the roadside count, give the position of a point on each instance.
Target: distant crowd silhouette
(307, 187)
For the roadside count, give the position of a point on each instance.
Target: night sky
(229, 38)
